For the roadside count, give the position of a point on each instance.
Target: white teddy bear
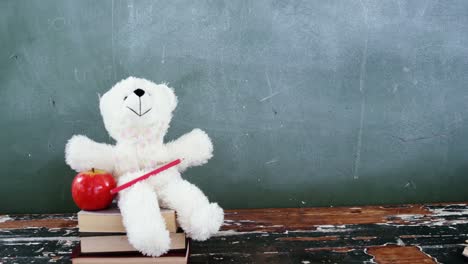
(136, 113)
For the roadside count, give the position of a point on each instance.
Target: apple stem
(92, 169)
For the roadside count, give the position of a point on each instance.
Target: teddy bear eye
(125, 98)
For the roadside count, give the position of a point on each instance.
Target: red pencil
(144, 177)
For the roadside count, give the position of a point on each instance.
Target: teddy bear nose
(139, 92)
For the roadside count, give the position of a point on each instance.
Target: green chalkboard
(309, 103)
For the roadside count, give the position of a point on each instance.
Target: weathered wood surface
(372, 234)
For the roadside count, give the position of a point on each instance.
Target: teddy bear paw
(205, 222)
(151, 244)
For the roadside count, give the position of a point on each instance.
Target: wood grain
(391, 254)
(279, 220)
(385, 234)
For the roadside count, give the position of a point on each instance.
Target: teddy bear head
(136, 108)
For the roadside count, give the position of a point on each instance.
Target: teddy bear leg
(199, 218)
(145, 226)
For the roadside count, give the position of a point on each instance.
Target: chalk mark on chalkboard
(58, 23)
(267, 77)
(357, 159)
(270, 96)
(52, 101)
(410, 184)
(362, 76)
(431, 46)
(163, 55)
(34, 74)
(395, 87)
(400, 9)
(271, 161)
(77, 75)
(230, 126)
(18, 66)
(451, 128)
(406, 140)
(268, 80)
(423, 12)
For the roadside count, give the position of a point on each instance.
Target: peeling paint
(391, 254)
(5, 218)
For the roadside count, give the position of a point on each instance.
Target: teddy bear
(136, 114)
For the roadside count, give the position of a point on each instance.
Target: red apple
(91, 189)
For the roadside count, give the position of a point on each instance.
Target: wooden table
(383, 234)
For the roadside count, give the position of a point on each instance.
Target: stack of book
(103, 240)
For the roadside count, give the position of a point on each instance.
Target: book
(110, 221)
(172, 257)
(95, 243)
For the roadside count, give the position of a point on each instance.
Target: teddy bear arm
(194, 149)
(82, 153)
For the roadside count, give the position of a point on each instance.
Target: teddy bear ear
(172, 98)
